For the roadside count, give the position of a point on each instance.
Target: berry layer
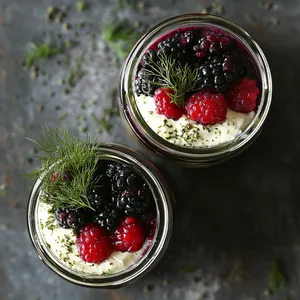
(62, 243)
(187, 133)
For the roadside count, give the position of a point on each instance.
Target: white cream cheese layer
(61, 243)
(187, 133)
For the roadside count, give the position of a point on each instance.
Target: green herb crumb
(81, 6)
(276, 279)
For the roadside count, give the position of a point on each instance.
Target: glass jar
(164, 207)
(196, 157)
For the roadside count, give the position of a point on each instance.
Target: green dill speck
(76, 72)
(63, 116)
(82, 106)
(48, 245)
(66, 26)
(81, 6)
(150, 112)
(52, 94)
(68, 44)
(103, 123)
(276, 279)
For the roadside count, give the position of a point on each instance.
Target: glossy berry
(129, 236)
(164, 106)
(135, 201)
(218, 72)
(93, 243)
(242, 97)
(71, 218)
(108, 218)
(206, 108)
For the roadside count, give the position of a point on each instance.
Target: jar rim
(132, 115)
(163, 199)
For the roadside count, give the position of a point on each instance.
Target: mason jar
(163, 198)
(188, 156)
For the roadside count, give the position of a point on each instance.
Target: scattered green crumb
(81, 6)
(48, 245)
(68, 44)
(103, 123)
(14, 98)
(62, 82)
(85, 129)
(276, 279)
(63, 116)
(76, 33)
(204, 296)
(82, 105)
(66, 26)
(165, 282)
(204, 11)
(80, 25)
(94, 102)
(148, 288)
(66, 91)
(51, 12)
(75, 72)
(3, 193)
(40, 51)
(52, 94)
(120, 37)
(188, 268)
(275, 21)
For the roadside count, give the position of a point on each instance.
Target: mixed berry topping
(120, 199)
(196, 74)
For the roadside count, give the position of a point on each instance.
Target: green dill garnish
(65, 153)
(41, 51)
(81, 6)
(170, 74)
(276, 279)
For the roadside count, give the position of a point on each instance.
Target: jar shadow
(245, 208)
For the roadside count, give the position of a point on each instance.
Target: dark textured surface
(231, 220)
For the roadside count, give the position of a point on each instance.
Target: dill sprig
(41, 51)
(170, 74)
(71, 162)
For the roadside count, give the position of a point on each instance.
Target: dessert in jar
(96, 216)
(196, 88)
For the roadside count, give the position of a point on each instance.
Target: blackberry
(143, 83)
(99, 192)
(179, 46)
(218, 72)
(135, 201)
(71, 218)
(122, 178)
(108, 218)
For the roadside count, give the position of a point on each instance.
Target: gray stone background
(231, 221)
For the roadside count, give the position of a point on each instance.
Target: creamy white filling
(187, 133)
(61, 243)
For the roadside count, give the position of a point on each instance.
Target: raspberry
(206, 108)
(164, 106)
(129, 236)
(242, 97)
(93, 243)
